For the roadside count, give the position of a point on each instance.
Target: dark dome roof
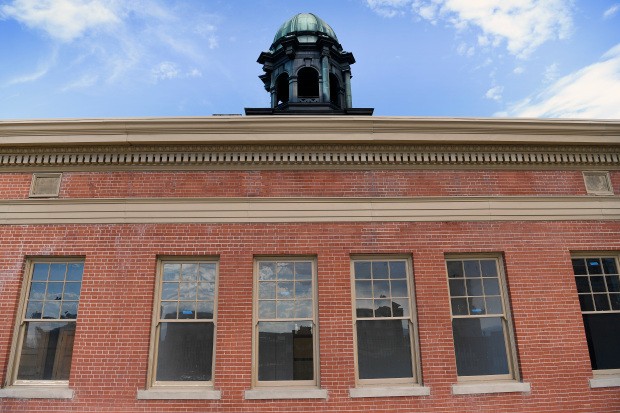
(304, 23)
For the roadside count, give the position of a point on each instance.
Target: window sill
(266, 394)
(600, 382)
(179, 393)
(389, 391)
(36, 392)
(499, 387)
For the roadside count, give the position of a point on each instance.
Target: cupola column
(293, 89)
(325, 76)
(347, 86)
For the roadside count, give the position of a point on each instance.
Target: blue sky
(454, 58)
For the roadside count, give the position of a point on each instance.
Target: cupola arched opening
(334, 90)
(308, 83)
(282, 94)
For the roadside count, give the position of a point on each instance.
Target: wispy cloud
(611, 12)
(495, 93)
(38, 73)
(522, 25)
(64, 20)
(118, 40)
(591, 92)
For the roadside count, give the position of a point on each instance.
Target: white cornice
(307, 129)
(278, 210)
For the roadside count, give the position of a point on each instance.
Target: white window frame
(602, 374)
(152, 382)
(509, 336)
(19, 333)
(285, 384)
(416, 367)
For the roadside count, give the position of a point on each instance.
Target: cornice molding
(309, 155)
(306, 129)
(282, 210)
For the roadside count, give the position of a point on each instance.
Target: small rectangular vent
(45, 185)
(598, 183)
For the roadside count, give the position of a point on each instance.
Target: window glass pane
(54, 291)
(583, 285)
(384, 349)
(364, 308)
(34, 309)
(168, 310)
(363, 289)
(37, 291)
(189, 272)
(285, 271)
(477, 306)
(303, 270)
(187, 291)
(266, 309)
(399, 288)
(494, 305)
(579, 266)
(400, 307)
(72, 291)
(381, 289)
(187, 309)
(69, 310)
(185, 352)
(594, 266)
(285, 309)
(491, 286)
(455, 269)
(205, 291)
(266, 271)
(480, 346)
(57, 272)
(285, 351)
(398, 269)
(51, 309)
(303, 289)
(586, 302)
(303, 309)
(362, 270)
(267, 290)
(609, 266)
(170, 291)
(613, 283)
(40, 271)
(286, 290)
(459, 306)
(206, 272)
(380, 270)
(472, 268)
(74, 271)
(488, 268)
(603, 336)
(172, 272)
(204, 310)
(383, 308)
(598, 284)
(601, 302)
(615, 301)
(46, 351)
(457, 287)
(474, 287)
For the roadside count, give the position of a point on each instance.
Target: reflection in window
(49, 321)
(185, 325)
(286, 343)
(598, 287)
(479, 318)
(384, 327)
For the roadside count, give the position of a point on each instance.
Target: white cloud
(64, 20)
(592, 92)
(523, 25)
(518, 70)
(611, 12)
(166, 70)
(84, 82)
(388, 8)
(495, 93)
(551, 73)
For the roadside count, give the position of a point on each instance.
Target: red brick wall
(380, 183)
(113, 326)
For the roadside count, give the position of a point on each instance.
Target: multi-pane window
(47, 327)
(384, 324)
(598, 286)
(285, 321)
(481, 324)
(184, 322)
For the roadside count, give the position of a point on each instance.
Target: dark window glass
(603, 336)
(594, 266)
(586, 303)
(46, 351)
(384, 349)
(308, 82)
(185, 352)
(583, 285)
(480, 346)
(579, 266)
(285, 351)
(609, 265)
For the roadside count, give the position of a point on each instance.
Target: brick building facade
(122, 204)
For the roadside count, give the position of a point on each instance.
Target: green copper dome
(304, 23)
